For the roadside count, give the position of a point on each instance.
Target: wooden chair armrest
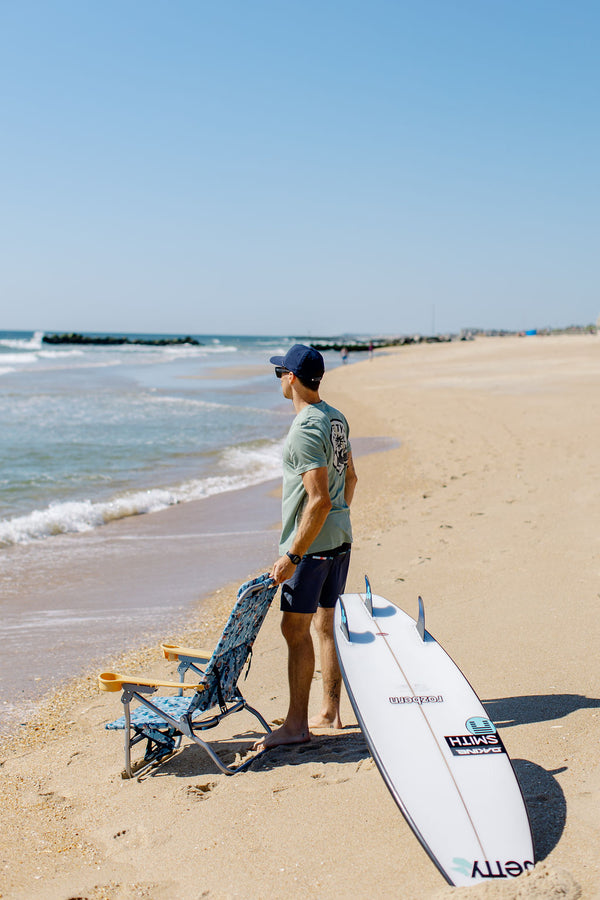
(112, 681)
(173, 652)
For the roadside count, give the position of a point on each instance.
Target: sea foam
(242, 467)
(32, 343)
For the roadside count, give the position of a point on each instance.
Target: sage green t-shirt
(317, 437)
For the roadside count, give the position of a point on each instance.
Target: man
(318, 485)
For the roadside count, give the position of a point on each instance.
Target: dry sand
(490, 509)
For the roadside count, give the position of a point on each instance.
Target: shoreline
(127, 582)
(488, 508)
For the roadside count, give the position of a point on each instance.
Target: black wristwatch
(293, 557)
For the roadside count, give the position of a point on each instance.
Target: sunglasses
(279, 371)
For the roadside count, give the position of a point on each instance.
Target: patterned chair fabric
(225, 666)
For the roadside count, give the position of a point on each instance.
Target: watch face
(294, 558)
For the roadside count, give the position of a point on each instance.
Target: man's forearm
(350, 483)
(312, 520)
(314, 514)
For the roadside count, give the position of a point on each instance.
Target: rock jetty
(356, 346)
(114, 340)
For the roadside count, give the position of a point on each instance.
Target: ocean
(94, 441)
(90, 433)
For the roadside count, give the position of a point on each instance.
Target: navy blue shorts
(319, 579)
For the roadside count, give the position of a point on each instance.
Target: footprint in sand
(201, 791)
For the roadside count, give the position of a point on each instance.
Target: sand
(489, 509)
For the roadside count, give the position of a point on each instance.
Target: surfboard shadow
(383, 612)
(509, 711)
(545, 802)
(362, 637)
(543, 794)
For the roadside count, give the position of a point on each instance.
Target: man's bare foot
(323, 720)
(281, 737)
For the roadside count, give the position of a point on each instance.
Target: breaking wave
(242, 467)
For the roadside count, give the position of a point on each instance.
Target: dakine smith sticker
(479, 725)
(475, 744)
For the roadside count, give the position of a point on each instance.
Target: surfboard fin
(344, 620)
(421, 620)
(368, 596)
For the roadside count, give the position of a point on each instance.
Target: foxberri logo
(413, 698)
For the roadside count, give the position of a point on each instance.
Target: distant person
(344, 354)
(318, 485)
(370, 349)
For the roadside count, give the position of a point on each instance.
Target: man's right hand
(282, 569)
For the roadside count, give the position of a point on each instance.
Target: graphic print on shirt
(340, 445)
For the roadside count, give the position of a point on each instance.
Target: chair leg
(256, 713)
(186, 726)
(127, 739)
(227, 770)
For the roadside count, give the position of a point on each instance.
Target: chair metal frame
(217, 687)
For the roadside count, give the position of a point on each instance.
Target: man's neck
(304, 399)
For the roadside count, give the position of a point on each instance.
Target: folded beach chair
(163, 721)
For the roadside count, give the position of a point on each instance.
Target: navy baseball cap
(305, 362)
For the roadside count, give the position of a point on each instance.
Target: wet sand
(72, 599)
(489, 508)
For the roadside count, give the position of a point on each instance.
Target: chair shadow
(509, 711)
(192, 761)
(345, 746)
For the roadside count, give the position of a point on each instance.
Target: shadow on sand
(545, 802)
(543, 794)
(191, 761)
(526, 710)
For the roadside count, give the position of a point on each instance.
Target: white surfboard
(438, 752)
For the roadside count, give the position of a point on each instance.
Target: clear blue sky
(321, 166)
